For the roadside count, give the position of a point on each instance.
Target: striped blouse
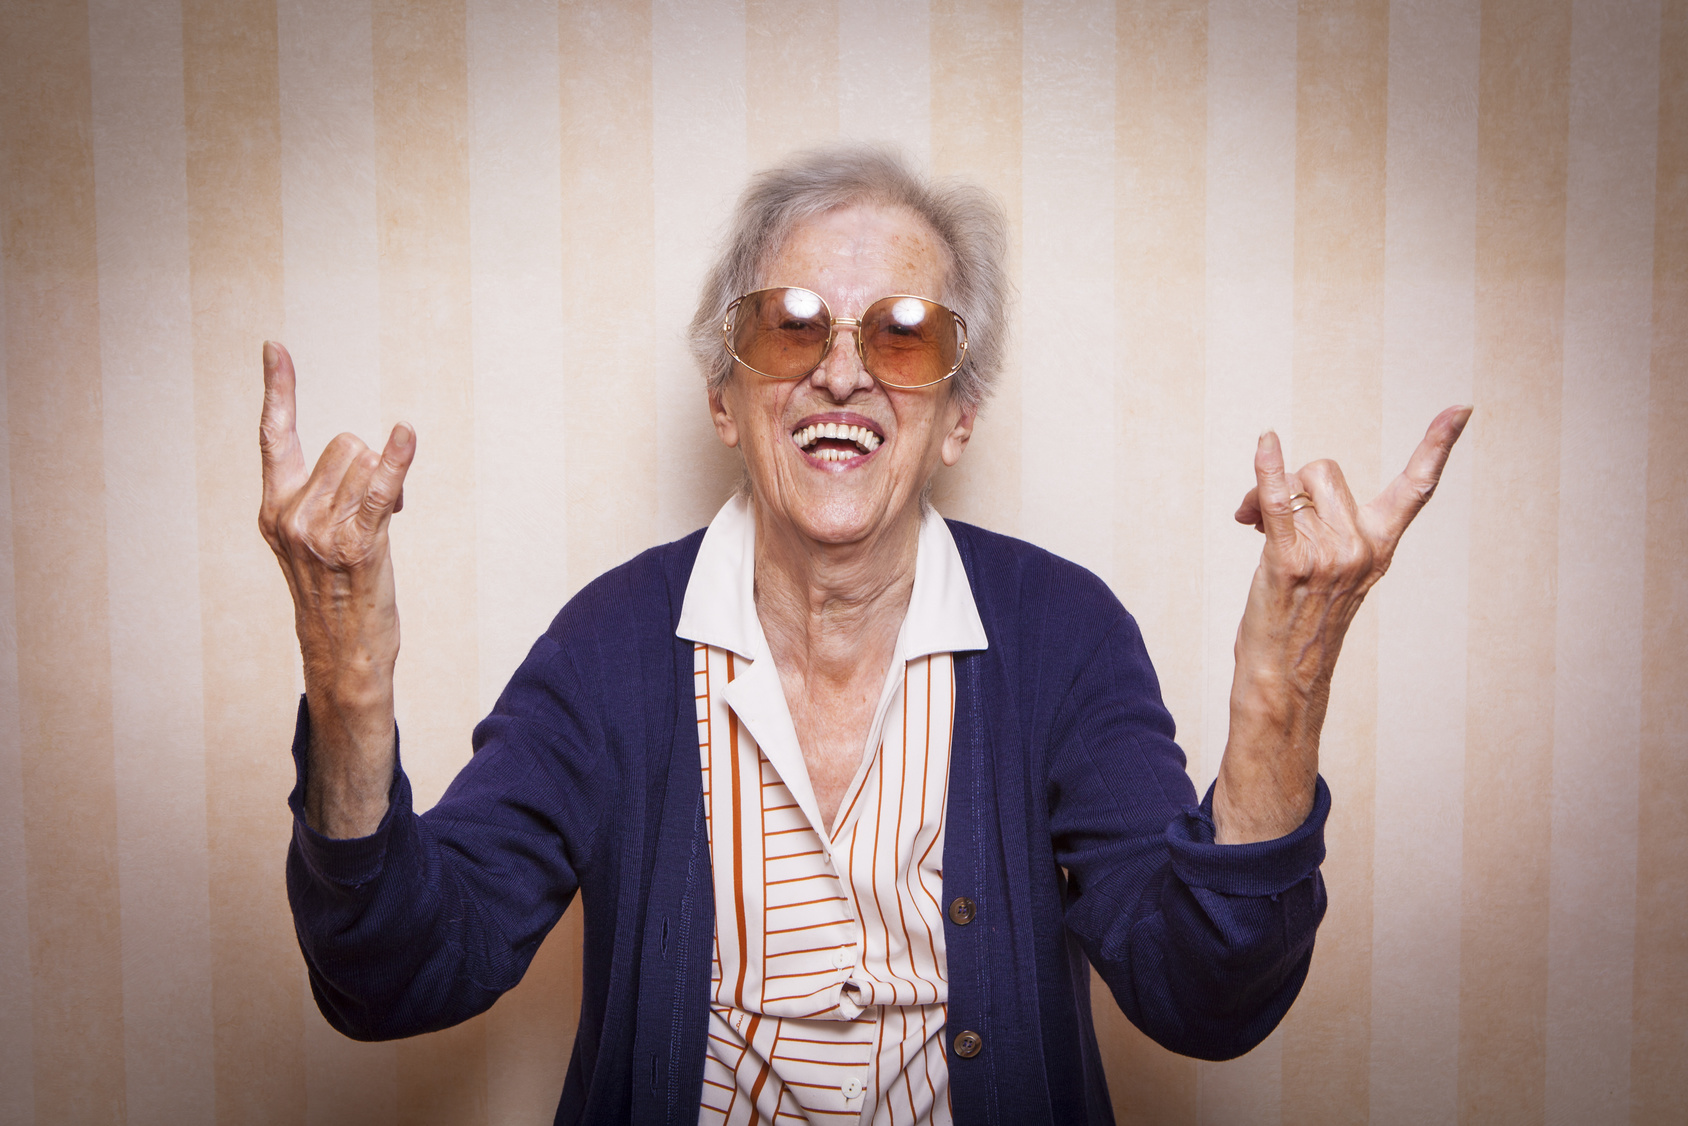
(828, 988)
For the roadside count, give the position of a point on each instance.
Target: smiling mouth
(836, 441)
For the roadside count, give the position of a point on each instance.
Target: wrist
(351, 757)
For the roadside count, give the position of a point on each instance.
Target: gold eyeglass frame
(833, 324)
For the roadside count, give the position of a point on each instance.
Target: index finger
(1272, 492)
(278, 432)
(1395, 507)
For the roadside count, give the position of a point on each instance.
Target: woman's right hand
(328, 529)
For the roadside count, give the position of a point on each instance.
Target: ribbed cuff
(350, 861)
(1259, 868)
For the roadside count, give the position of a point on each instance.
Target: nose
(842, 373)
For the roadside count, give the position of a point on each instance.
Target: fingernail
(271, 356)
(403, 434)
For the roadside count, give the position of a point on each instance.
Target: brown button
(962, 910)
(969, 1044)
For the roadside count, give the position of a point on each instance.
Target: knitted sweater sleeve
(427, 921)
(1204, 946)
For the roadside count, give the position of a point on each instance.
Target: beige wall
(489, 217)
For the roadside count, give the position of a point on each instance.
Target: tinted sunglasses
(903, 341)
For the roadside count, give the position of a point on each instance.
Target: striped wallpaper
(489, 217)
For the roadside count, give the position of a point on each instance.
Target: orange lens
(780, 333)
(909, 341)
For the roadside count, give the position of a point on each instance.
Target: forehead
(863, 250)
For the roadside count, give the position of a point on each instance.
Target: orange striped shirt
(829, 984)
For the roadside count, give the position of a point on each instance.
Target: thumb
(386, 486)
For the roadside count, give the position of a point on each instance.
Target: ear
(956, 440)
(726, 427)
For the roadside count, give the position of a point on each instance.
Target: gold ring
(1305, 502)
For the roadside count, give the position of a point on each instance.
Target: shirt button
(962, 910)
(969, 1044)
(852, 1088)
(841, 957)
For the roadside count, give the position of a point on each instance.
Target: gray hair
(966, 218)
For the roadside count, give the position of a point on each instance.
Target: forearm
(352, 751)
(349, 641)
(1266, 779)
(1279, 695)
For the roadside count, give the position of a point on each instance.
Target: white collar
(720, 604)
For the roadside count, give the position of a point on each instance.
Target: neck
(833, 611)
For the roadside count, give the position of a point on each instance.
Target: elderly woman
(851, 794)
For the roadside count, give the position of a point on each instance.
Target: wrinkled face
(868, 478)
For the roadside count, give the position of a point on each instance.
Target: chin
(839, 520)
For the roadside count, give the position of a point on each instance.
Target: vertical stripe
(58, 525)
(1160, 200)
(790, 76)
(333, 316)
(1429, 285)
(347, 1082)
(1251, 106)
(885, 74)
(146, 346)
(17, 1072)
(977, 62)
(609, 365)
(1342, 49)
(1521, 132)
(329, 245)
(1602, 544)
(422, 209)
(516, 289)
(1160, 173)
(529, 1032)
(1250, 321)
(1067, 308)
(521, 405)
(235, 255)
(328, 210)
(699, 162)
(1658, 1089)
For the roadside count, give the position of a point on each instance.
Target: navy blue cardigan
(1071, 825)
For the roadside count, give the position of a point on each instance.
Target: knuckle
(1352, 556)
(347, 444)
(295, 529)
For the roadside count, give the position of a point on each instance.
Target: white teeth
(866, 439)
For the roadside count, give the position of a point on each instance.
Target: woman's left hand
(1323, 552)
